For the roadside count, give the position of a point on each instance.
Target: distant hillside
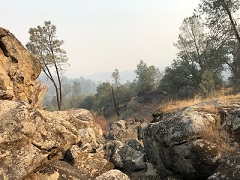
(87, 87)
(90, 83)
(106, 76)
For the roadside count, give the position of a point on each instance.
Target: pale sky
(101, 35)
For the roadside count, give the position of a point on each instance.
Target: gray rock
(176, 144)
(231, 122)
(133, 143)
(124, 157)
(229, 169)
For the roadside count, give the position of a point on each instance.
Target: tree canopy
(45, 45)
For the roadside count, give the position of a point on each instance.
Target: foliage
(116, 77)
(74, 92)
(147, 78)
(45, 45)
(221, 19)
(103, 95)
(207, 84)
(88, 102)
(197, 55)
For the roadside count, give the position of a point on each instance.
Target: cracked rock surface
(31, 139)
(187, 142)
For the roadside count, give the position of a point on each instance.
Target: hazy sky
(101, 35)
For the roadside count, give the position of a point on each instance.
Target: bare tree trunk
(59, 92)
(49, 75)
(115, 103)
(234, 26)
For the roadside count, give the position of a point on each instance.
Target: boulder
(55, 171)
(231, 121)
(90, 164)
(149, 173)
(18, 71)
(113, 174)
(133, 143)
(124, 157)
(130, 129)
(229, 169)
(183, 143)
(31, 138)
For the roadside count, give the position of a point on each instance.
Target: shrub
(102, 122)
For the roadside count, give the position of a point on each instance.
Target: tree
(115, 104)
(104, 97)
(198, 54)
(116, 77)
(221, 19)
(45, 45)
(221, 13)
(207, 84)
(77, 98)
(88, 102)
(147, 77)
(178, 79)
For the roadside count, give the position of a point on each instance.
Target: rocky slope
(36, 144)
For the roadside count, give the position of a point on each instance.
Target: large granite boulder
(31, 139)
(18, 71)
(187, 142)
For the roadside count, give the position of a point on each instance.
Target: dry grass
(210, 108)
(220, 138)
(172, 105)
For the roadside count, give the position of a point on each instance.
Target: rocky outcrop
(32, 140)
(188, 142)
(18, 71)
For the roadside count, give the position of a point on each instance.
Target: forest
(208, 45)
